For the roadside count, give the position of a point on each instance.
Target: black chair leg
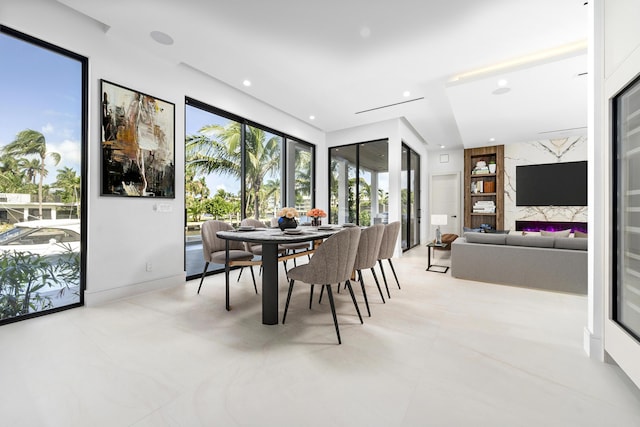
(385, 278)
(226, 287)
(333, 312)
(204, 272)
(364, 293)
(394, 273)
(254, 279)
(311, 296)
(286, 306)
(378, 284)
(321, 292)
(240, 274)
(353, 297)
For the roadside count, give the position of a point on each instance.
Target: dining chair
(213, 249)
(367, 255)
(256, 248)
(332, 263)
(387, 248)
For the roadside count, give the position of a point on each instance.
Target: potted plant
(492, 166)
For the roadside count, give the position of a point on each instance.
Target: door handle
(454, 216)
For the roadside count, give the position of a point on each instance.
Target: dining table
(270, 238)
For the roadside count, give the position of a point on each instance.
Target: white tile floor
(441, 352)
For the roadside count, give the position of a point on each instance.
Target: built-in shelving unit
(484, 187)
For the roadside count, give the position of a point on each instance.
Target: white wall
(123, 233)
(621, 54)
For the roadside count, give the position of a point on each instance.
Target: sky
(195, 120)
(41, 90)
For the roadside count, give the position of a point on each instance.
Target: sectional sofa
(543, 262)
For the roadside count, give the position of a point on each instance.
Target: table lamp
(438, 220)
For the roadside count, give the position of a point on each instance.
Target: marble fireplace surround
(551, 226)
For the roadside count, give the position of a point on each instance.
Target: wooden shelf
(471, 157)
(482, 194)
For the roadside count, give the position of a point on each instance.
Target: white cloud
(47, 129)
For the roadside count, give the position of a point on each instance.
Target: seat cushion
(234, 255)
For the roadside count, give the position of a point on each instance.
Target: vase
(284, 223)
(315, 222)
(492, 168)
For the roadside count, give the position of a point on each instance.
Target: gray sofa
(550, 263)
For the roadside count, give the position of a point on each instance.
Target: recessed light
(312, 117)
(406, 94)
(501, 91)
(247, 83)
(162, 38)
(442, 146)
(492, 139)
(503, 83)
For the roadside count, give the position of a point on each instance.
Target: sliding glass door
(410, 198)
(359, 183)
(236, 169)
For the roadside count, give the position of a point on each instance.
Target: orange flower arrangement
(316, 213)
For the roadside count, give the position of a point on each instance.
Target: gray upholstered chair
(256, 248)
(332, 263)
(367, 255)
(387, 248)
(213, 249)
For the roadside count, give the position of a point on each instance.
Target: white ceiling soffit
(334, 58)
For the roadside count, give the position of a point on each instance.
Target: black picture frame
(137, 143)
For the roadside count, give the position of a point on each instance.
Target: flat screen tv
(553, 184)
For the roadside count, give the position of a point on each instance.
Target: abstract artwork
(138, 144)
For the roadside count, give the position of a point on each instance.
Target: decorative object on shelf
(315, 214)
(287, 218)
(492, 166)
(438, 220)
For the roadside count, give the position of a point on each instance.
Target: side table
(430, 247)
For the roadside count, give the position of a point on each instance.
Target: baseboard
(593, 346)
(92, 299)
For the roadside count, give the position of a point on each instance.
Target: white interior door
(444, 198)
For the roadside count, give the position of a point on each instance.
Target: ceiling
(341, 60)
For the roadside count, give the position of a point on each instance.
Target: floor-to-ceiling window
(43, 122)
(238, 169)
(300, 165)
(359, 183)
(410, 198)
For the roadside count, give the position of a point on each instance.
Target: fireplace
(551, 226)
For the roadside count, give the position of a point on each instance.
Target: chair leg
(286, 306)
(378, 284)
(385, 278)
(311, 296)
(333, 312)
(240, 274)
(254, 279)
(204, 272)
(364, 293)
(321, 292)
(394, 272)
(226, 287)
(353, 297)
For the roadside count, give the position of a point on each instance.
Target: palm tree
(12, 179)
(32, 143)
(69, 182)
(222, 153)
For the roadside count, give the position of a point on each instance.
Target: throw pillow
(579, 234)
(563, 233)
